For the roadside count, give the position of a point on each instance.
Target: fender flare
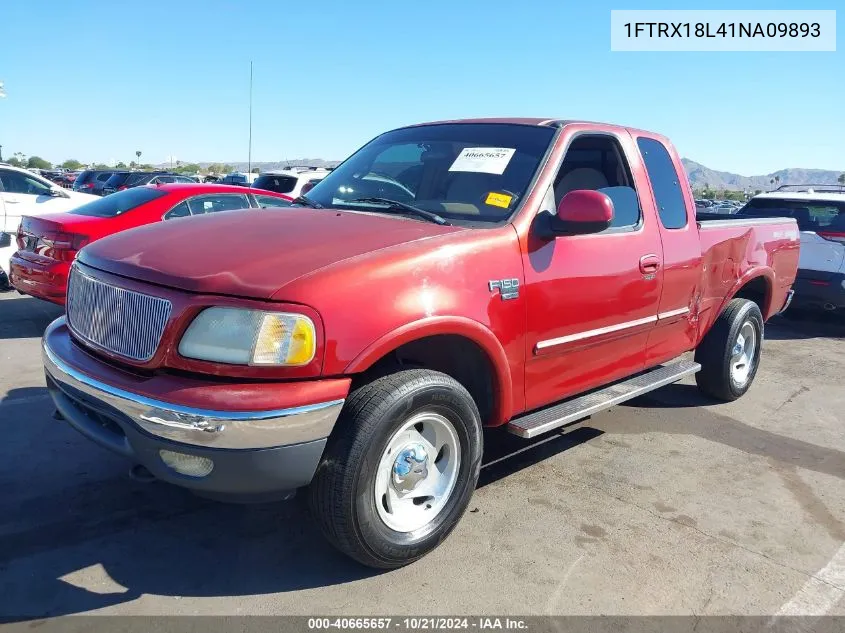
(454, 325)
(767, 274)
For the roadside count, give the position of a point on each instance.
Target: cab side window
(597, 162)
(665, 183)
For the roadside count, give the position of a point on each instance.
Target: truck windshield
(472, 173)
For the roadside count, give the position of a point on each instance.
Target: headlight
(250, 337)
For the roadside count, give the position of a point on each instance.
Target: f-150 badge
(507, 288)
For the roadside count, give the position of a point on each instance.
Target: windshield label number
(485, 160)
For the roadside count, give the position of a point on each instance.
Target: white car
(820, 212)
(25, 193)
(292, 182)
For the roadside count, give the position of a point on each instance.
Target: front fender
(454, 325)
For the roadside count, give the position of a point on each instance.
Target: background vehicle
(24, 193)
(819, 211)
(450, 276)
(92, 181)
(48, 244)
(127, 179)
(237, 178)
(62, 177)
(293, 182)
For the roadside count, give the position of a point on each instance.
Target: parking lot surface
(672, 505)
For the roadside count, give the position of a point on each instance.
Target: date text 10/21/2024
(418, 623)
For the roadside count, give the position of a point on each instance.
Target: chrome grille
(121, 321)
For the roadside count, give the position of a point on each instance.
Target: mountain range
(699, 175)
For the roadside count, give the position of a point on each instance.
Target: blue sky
(97, 80)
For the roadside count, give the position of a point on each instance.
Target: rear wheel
(729, 354)
(399, 471)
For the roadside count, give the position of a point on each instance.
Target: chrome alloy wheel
(417, 472)
(743, 354)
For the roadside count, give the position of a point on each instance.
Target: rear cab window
(665, 183)
(118, 203)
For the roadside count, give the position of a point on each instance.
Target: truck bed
(733, 244)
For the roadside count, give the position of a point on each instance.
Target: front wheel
(729, 353)
(401, 468)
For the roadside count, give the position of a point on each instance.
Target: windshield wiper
(307, 202)
(408, 208)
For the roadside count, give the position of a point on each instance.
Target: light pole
(249, 150)
(2, 94)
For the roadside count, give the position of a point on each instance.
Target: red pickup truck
(516, 273)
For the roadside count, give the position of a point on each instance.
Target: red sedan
(47, 244)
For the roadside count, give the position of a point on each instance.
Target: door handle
(11, 200)
(649, 264)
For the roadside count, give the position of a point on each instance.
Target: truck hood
(249, 253)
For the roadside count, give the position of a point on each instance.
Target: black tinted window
(117, 179)
(16, 182)
(84, 177)
(118, 203)
(811, 215)
(271, 201)
(138, 179)
(665, 183)
(181, 210)
(279, 184)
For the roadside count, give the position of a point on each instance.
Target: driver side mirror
(57, 193)
(581, 212)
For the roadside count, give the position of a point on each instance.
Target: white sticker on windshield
(487, 160)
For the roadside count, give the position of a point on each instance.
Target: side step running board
(581, 407)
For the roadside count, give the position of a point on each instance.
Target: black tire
(715, 351)
(342, 492)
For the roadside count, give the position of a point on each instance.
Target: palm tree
(777, 180)
(138, 154)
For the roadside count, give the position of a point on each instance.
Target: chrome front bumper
(199, 427)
